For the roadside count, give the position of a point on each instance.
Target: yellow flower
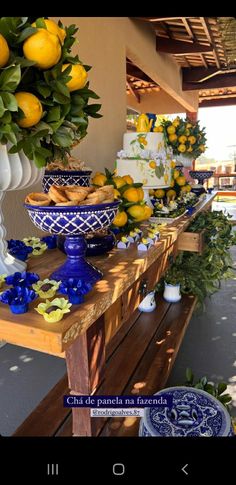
(53, 311)
(39, 249)
(158, 129)
(2, 279)
(166, 178)
(46, 288)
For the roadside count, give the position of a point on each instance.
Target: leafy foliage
(216, 390)
(65, 114)
(200, 274)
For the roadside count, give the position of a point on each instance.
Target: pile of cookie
(71, 195)
(71, 164)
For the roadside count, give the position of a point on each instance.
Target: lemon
(119, 182)
(186, 188)
(160, 193)
(172, 138)
(4, 51)
(137, 212)
(192, 140)
(148, 212)
(182, 139)
(171, 129)
(190, 149)
(54, 29)
(117, 194)
(152, 164)
(172, 164)
(140, 193)
(166, 178)
(128, 179)
(182, 148)
(202, 148)
(44, 48)
(181, 180)
(79, 76)
(31, 107)
(189, 125)
(187, 132)
(151, 192)
(176, 174)
(120, 219)
(171, 193)
(131, 195)
(172, 183)
(99, 179)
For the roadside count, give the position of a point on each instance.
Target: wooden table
(89, 332)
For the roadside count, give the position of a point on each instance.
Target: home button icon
(118, 469)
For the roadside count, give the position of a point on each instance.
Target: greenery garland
(201, 274)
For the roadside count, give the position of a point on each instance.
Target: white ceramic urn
(16, 172)
(172, 293)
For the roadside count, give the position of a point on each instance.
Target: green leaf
(61, 88)
(87, 68)
(9, 101)
(54, 114)
(92, 108)
(40, 23)
(60, 98)
(43, 89)
(27, 32)
(221, 387)
(62, 137)
(10, 78)
(39, 160)
(2, 108)
(189, 375)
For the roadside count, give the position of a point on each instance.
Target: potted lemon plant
(186, 138)
(44, 104)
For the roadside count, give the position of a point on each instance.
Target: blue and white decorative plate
(66, 177)
(194, 413)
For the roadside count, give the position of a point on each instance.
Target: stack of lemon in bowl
(133, 208)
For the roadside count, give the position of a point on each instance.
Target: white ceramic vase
(172, 293)
(16, 172)
(185, 160)
(148, 304)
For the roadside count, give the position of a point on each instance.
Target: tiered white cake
(146, 159)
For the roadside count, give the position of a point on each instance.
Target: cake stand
(201, 175)
(74, 222)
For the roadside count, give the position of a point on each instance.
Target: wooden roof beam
(210, 38)
(181, 48)
(193, 37)
(218, 81)
(210, 103)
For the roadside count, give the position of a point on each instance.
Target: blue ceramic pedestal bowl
(66, 177)
(74, 222)
(96, 245)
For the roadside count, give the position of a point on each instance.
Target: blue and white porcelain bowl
(73, 220)
(66, 177)
(193, 413)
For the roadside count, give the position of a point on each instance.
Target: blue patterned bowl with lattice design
(193, 412)
(67, 177)
(73, 220)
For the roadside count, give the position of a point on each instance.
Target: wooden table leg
(85, 360)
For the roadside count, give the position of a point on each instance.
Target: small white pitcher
(149, 303)
(172, 293)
